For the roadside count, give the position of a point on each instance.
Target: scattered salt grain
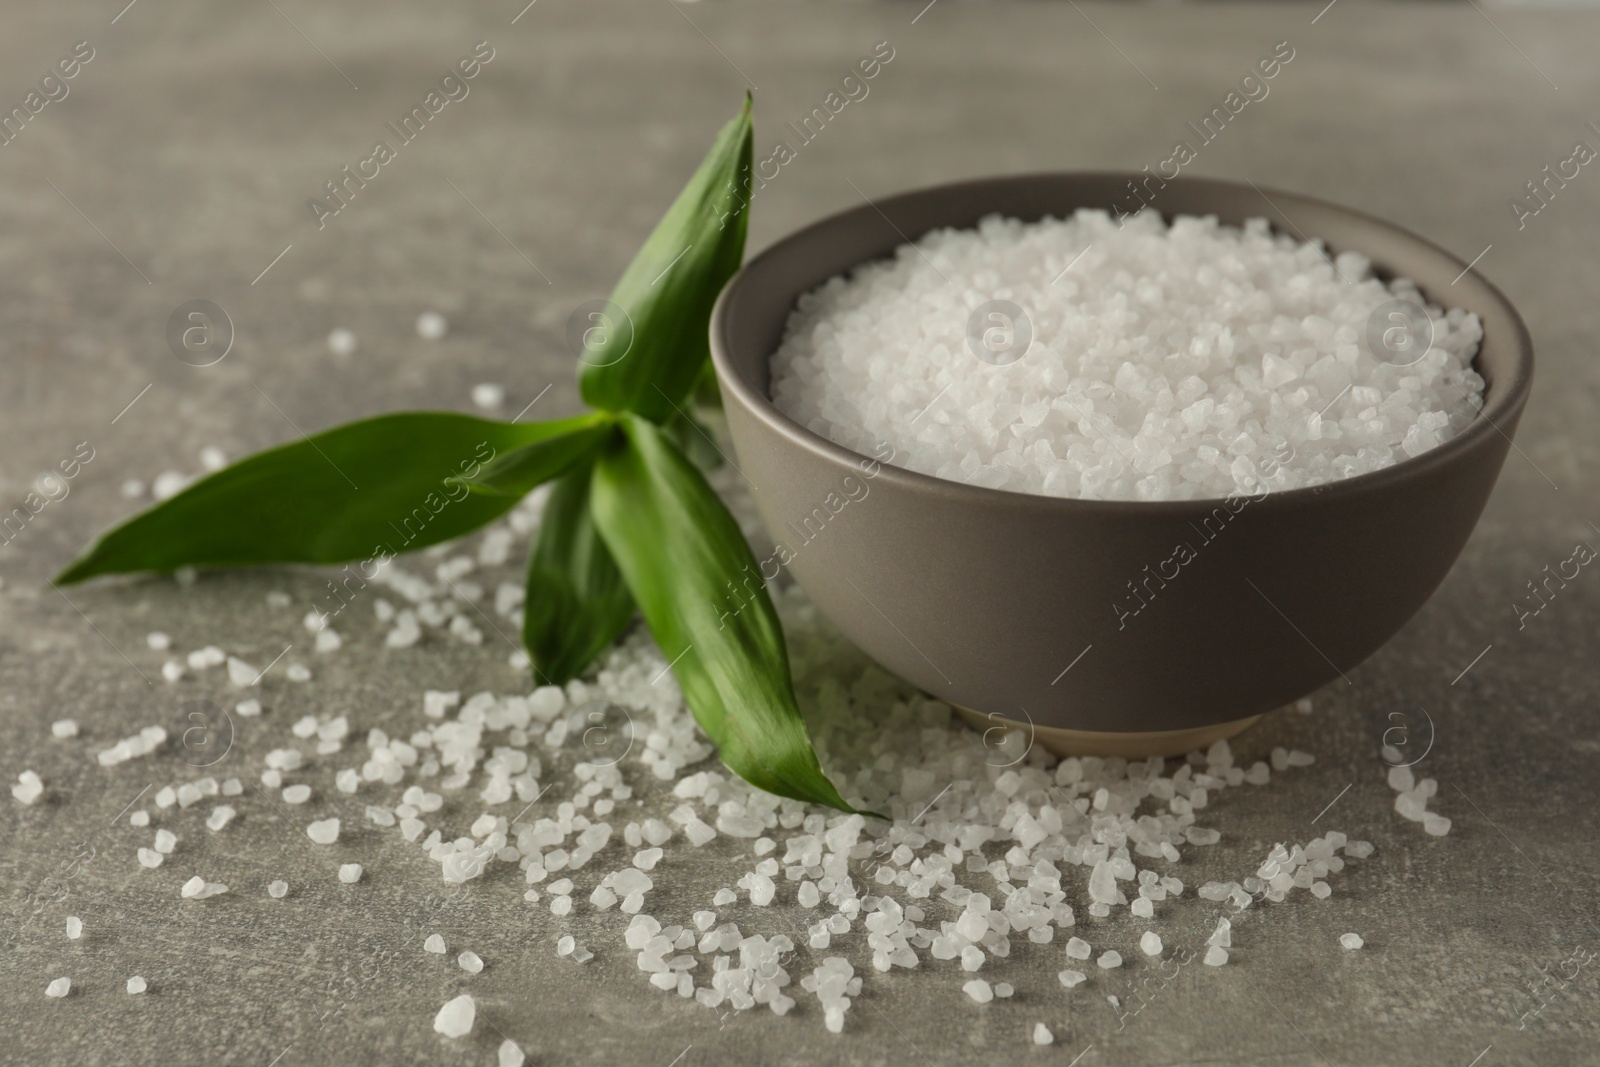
(158, 641)
(297, 794)
(142, 743)
(1078, 948)
(166, 841)
(60, 987)
(1351, 941)
(150, 858)
(1042, 1035)
(63, 728)
(1071, 978)
(979, 990)
(470, 962)
(277, 889)
(341, 342)
(488, 395)
(168, 484)
(197, 888)
(324, 832)
(220, 816)
(1150, 943)
(350, 873)
(510, 1054)
(74, 928)
(139, 818)
(29, 787)
(137, 984)
(434, 944)
(432, 326)
(1109, 959)
(455, 1019)
(1216, 956)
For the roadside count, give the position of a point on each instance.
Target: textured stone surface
(192, 141)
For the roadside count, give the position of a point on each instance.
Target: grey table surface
(179, 167)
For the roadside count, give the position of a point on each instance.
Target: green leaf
(361, 491)
(577, 603)
(668, 289)
(697, 583)
(707, 393)
(694, 440)
(521, 470)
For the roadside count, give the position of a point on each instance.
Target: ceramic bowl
(1016, 607)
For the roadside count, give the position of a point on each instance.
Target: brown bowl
(1007, 604)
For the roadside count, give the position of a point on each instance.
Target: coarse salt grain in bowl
(1127, 359)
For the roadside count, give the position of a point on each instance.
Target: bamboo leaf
(577, 603)
(361, 491)
(521, 470)
(668, 289)
(698, 585)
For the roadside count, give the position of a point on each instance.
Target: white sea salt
(488, 395)
(277, 889)
(166, 841)
(1005, 849)
(432, 326)
(296, 794)
(1109, 959)
(74, 928)
(350, 873)
(341, 342)
(64, 728)
(979, 990)
(1042, 1035)
(434, 944)
(470, 962)
(29, 787)
(137, 984)
(323, 832)
(142, 743)
(1351, 941)
(197, 888)
(1194, 360)
(455, 1019)
(58, 987)
(1150, 943)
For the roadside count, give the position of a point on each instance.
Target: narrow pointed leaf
(668, 289)
(694, 441)
(521, 470)
(698, 585)
(377, 487)
(577, 603)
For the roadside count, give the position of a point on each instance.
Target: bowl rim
(1504, 400)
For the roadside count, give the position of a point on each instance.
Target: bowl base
(1134, 745)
